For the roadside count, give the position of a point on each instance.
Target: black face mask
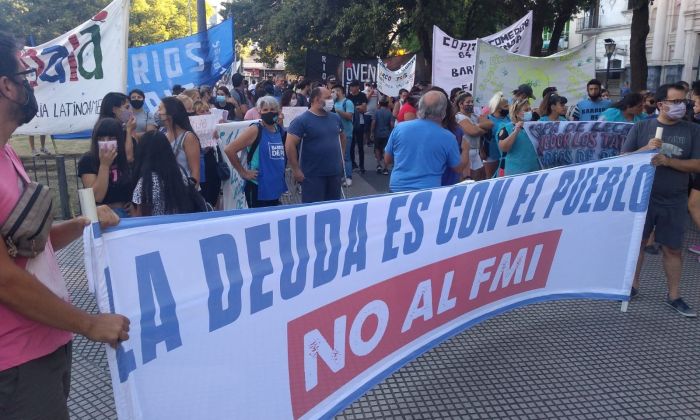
(136, 103)
(269, 118)
(30, 106)
(504, 112)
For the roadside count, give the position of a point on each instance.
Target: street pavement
(568, 359)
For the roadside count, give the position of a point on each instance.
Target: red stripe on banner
(335, 343)
(72, 63)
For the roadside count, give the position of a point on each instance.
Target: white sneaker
(45, 151)
(348, 182)
(35, 153)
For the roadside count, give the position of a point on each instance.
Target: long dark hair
(112, 128)
(449, 122)
(111, 100)
(628, 101)
(177, 112)
(157, 158)
(286, 97)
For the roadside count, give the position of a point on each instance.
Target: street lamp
(609, 51)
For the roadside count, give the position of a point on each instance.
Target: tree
(638, 48)
(153, 21)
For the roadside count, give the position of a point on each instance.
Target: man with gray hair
(421, 149)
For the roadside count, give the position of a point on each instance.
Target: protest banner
(560, 143)
(319, 66)
(205, 127)
(233, 195)
(454, 59)
(291, 112)
(390, 82)
(362, 70)
(199, 59)
(76, 70)
(296, 311)
(498, 70)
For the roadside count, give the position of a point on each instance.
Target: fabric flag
(391, 82)
(498, 70)
(76, 70)
(560, 143)
(454, 59)
(363, 70)
(199, 59)
(320, 66)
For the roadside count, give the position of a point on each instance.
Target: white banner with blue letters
(295, 312)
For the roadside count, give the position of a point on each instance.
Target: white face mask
(293, 102)
(328, 105)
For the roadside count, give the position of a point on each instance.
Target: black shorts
(380, 143)
(667, 223)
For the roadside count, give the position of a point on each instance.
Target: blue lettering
(586, 206)
(559, 194)
(642, 189)
(412, 241)
(606, 191)
(151, 278)
(472, 209)
(327, 220)
(56, 61)
(494, 205)
(618, 204)
(259, 267)
(453, 199)
(522, 199)
(576, 191)
(289, 288)
(393, 225)
(529, 213)
(211, 248)
(356, 254)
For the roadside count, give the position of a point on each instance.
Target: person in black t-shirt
(106, 169)
(359, 99)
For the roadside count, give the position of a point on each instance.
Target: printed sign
(454, 60)
(320, 66)
(233, 195)
(560, 143)
(391, 82)
(291, 112)
(200, 59)
(205, 127)
(76, 70)
(296, 311)
(498, 70)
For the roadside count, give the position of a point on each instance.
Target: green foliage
(153, 21)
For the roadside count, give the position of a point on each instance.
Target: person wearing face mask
(223, 100)
(264, 174)
(345, 109)
(144, 118)
(628, 109)
(474, 129)
(116, 105)
(289, 98)
(678, 155)
(521, 156)
(497, 116)
(318, 135)
(403, 95)
(37, 318)
(590, 109)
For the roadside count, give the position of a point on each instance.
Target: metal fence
(60, 174)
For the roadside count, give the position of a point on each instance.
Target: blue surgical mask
(221, 99)
(527, 116)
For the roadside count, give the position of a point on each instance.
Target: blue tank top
(271, 164)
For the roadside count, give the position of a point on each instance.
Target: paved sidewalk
(569, 359)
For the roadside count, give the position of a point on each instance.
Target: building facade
(673, 44)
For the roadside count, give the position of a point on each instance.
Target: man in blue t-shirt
(318, 163)
(591, 108)
(421, 149)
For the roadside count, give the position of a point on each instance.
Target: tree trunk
(558, 29)
(638, 48)
(537, 28)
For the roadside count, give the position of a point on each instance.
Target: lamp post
(609, 51)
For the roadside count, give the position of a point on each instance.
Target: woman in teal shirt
(628, 109)
(553, 108)
(512, 139)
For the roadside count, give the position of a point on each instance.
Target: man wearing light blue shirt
(421, 149)
(590, 109)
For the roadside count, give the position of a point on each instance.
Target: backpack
(256, 142)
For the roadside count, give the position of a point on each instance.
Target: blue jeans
(348, 156)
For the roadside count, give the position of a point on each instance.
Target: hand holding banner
(391, 82)
(205, 127)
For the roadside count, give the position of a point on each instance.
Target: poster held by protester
(320, 66)
(498, 70)
(362, 70)
(205, 127)
(295, 312)
(454, 59)
(291, 112)
(76, 70)
(234, 197)
(560, 143)
(390, 82)
(199, 59)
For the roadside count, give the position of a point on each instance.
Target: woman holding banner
(497, 116)
(512, 139)
(628, 109)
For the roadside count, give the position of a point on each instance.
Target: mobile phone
(108, 145)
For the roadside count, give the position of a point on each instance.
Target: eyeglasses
(675, 101)
(28, 75)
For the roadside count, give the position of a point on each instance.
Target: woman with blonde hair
(497, 116)
(521, 156)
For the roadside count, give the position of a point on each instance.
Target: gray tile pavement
(570, 359)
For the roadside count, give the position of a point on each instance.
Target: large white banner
(294, 312)
(454, 59)
(232, 189)
(500, 71)
(390, 82)
(76, 70)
